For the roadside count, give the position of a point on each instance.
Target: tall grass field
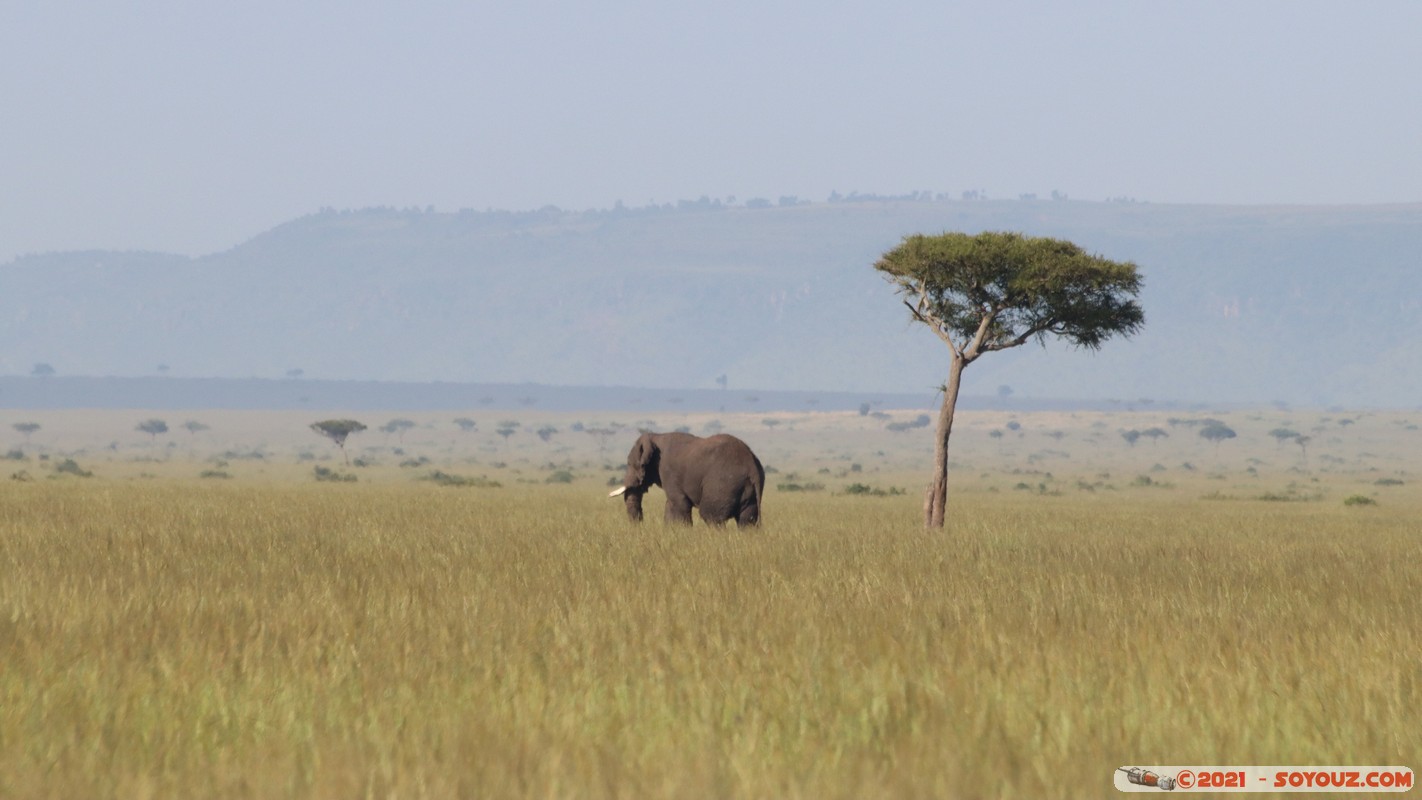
(267, 634)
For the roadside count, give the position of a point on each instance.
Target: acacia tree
(337, 430)
(26, 428)
(152, 427)
(995, 291)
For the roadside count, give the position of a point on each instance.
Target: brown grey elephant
(719, 475)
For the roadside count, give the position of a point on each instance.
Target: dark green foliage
(1282, 435)
(446, 479)
(1217, 432)
(802, 487)
(70, 467)
(872, 491)
(922, 421)
(1014, 288)
(214, 473)
(152, 427)
(328, 474)
(398, 426)
(560, 476)
(337, 429)
(1359, 500)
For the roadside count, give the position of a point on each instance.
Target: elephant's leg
(749, 516)
(678, 509)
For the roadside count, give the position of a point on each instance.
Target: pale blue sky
(188, 127)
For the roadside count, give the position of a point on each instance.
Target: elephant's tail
(759, 490)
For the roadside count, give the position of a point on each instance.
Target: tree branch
(1018, 341)
(934, 324)
(975, 347)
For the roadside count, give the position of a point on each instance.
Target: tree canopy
(999, 290)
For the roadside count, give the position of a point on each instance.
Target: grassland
(267, 635)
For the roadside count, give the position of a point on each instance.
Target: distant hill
(1307, 305)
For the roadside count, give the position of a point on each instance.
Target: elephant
(718, 474)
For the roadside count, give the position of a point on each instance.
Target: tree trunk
(935, 503)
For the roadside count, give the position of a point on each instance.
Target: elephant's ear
(644, 452)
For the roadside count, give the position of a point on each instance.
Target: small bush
(414, 462)
(69, 467)
(328, 474)
(214, 473)
(801, 487)
(872, 491)
(446, 479)
(15, 455)
(1359, 500)
(1387, 482)
(1288, 497)
(561, 476)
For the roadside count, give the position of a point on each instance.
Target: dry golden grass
(178, 638)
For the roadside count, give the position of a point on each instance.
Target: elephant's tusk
(617, 491)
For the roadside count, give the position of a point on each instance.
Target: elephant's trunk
(633, 499)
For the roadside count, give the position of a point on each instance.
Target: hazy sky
(189, 127)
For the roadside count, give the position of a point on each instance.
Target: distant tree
(152, 427)
(1282, 435)
(1217, 432)
(1302, 442)
(721, 381)
(1131, 436)
(337, 430)
(863, 409)
(507, 428)
(1013, 425)
(1004, 391)
(42, 370)
(921, 421)
(1155, 434)
(996, 435)
(398, 427)
(466, 424)
(770, 422)
(547, 432)
(26, 428)
(996, 291)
